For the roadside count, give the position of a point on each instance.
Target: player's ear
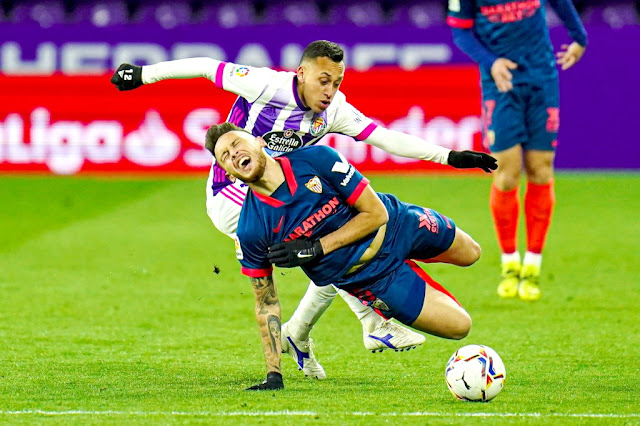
(300, 73)
(230, 177)
(261, 141)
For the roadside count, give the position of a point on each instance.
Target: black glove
(471, 159)
(127, 77)
(295, 253)
(273, 382)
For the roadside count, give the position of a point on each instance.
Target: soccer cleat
(529, 278)
(302, 353)
(508, 287)
(390, 335)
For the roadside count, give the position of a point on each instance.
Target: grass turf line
(110, 303)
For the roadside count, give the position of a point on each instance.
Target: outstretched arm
(410, 146)
(129, 77)
(268, 318)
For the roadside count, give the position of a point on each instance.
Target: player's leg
(411, 296)
(464, 251)
(539, 200)
(505, 130)
(504, 202)
(378, 332)
(295, 332)
(442, 315)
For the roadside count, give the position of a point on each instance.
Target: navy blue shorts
(400, 294)
(527, 115)
(398, 289)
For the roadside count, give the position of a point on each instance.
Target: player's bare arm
(501, 73)
(268, 318)
(569, 55)
(372, 214)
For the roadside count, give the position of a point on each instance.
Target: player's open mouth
(325, 103)
(244, 162)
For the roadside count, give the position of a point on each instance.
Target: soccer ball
(475, 373)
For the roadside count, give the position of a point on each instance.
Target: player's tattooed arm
(268, 317)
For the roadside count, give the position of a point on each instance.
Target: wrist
(318, 249)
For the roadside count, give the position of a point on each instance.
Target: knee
(506, 180)
(460, 327)
(473, 253)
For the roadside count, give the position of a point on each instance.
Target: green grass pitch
(111, 312)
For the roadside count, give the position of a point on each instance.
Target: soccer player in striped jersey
(311, 208)
(291, 110)
(510, 42)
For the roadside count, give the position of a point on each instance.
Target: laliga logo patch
(242, 71)
(239, 254)
(318, 126)
(314, 185)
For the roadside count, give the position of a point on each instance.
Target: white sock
(510, 257)
(532, 259)
(367, 316)
(313, 304)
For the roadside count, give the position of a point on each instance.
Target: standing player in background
(510, 42)
(290, 110)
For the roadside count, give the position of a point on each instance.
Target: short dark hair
(218, 130)
(321, 49)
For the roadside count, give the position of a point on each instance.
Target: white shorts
(224, 207)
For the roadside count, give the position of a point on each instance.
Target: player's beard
(258, 171)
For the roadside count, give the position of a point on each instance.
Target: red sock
(505, 209)
(538, 207)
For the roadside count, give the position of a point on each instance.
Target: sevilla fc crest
(314, 185)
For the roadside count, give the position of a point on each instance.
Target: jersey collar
(295, 95)
(289, 178)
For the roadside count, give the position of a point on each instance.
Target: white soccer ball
(475, 373)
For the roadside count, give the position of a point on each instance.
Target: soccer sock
(313, 304)
(532, 259)
(510, 257)
(538, 208)
(367, 316)
(505, 209)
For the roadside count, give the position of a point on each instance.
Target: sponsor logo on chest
(282, 140)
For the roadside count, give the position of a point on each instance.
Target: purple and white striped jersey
(268, 105)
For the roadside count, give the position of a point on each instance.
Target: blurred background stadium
(59, 114)
(117, 296)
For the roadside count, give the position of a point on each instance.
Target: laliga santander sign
(69, 125)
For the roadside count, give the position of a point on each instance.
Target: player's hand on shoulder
(569, 54)
(127, 77)
(472, 159)
(273, 382)
(294, 253)
(501, 73)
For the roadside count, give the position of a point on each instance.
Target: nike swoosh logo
(277, 228)
(304, 255)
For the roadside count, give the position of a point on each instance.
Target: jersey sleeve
(252, 255)
(461, 14)
(334, 169)
(244, 81)
(351, 122)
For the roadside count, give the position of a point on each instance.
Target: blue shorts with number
(387, 283)
(527, 115)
